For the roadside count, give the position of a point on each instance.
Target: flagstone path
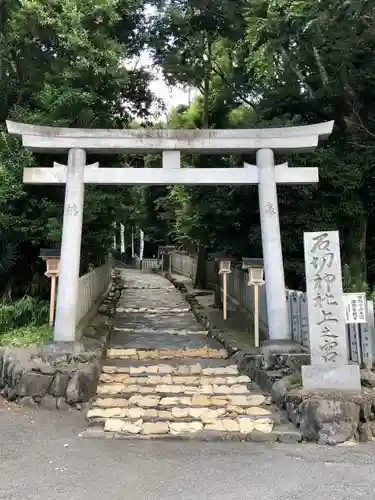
(163, 376)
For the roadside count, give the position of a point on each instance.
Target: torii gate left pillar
(78, 142)
(71, 238)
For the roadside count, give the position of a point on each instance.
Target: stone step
(172, 389)
(205, 414)
(198, 380)
(155, 401)
(243, 425)
(210, 367)
(284, 433)
(148, 287)
(153, 310)
(156, 321)
(169, 331)
(162, 341)
(201, 352)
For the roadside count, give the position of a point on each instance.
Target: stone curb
(322, 418)
(64, 375)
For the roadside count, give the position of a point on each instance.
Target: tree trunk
(362, 247)
(206, 85)
(218, 303)
(357, 255)
(201, 274)
(190, 248)
(206, 97)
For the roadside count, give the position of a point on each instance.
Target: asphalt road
(42, 458)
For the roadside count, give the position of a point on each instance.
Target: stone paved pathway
(239, 324)
(163, 376)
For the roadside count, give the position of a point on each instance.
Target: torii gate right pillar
(277, 313)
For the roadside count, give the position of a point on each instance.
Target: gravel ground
(43, 458)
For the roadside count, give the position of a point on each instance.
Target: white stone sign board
(122, 237)
(328, 339)
(354, 342)
(295, 316)
(288, 301)
(114, 244)
(368, 337)
(355, 308)
(305, 338)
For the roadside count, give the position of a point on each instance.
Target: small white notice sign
(355, 308)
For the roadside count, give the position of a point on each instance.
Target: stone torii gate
(78, 142)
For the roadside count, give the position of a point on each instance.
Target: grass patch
(26, 335)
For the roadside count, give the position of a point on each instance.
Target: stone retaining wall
(59, 375)
(323, 418)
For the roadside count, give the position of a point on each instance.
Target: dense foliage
(275, 63)
(62, 62)
(253, 63)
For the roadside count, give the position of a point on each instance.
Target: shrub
(27, 311)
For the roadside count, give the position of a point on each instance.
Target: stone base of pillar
(273, 349)
(331, 378)
(64, 347)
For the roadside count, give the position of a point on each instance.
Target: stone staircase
(163, 376)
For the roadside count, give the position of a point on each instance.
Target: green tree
(64, 63)
(303, 62)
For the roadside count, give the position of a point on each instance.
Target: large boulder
(82, 384)
(59, 385)
(329, 421)
(280, 389)
(34, 384)
(368, 378)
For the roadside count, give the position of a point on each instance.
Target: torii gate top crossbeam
(58, 140)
